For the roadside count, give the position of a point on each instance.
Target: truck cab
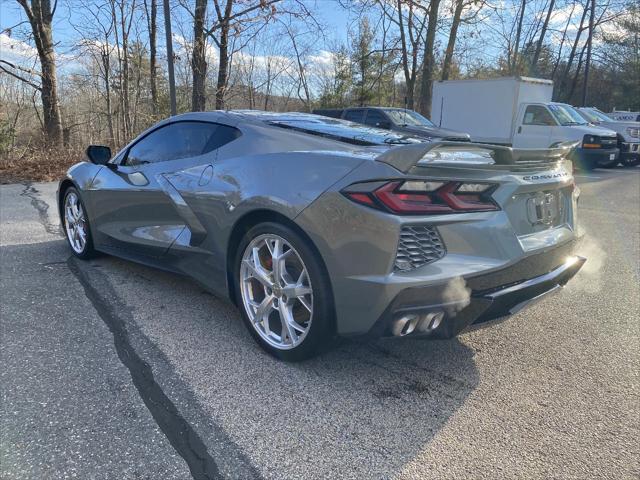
(541, 125)
(627, 132)
(519, 112)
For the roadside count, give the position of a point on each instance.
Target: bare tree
(428, 63)
(545, 25)
(152, 15)
(411, 31)
(198, 58)
(513, 64)
(231, 16)
(40, 15)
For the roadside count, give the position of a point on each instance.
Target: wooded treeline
(108, 80)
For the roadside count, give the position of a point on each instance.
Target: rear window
(347, 132)
(355, 115)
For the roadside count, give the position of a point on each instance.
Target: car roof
(304, 123)
(328, 127)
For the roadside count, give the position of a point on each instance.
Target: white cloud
(14, 50)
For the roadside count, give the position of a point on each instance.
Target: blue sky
(329, 13)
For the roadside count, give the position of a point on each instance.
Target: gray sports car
(318, 228)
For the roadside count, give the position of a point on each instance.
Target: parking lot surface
(115, 370)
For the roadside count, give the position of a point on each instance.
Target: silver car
(318, 228)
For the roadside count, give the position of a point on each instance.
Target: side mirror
(384, 125)
(98, 154)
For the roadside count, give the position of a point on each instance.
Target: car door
(137, 210)
(375, 118)
(355, 115)
(534, 128)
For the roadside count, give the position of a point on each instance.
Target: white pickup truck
(625, 116)
(518, 111)
(628, 133)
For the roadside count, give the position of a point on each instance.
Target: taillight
(415, 197)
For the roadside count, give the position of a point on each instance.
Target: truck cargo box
(486, 109)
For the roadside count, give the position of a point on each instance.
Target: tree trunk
(40, 17)
(409, 81)
(199, 60)
(223, 66)
(588, 62)
(428, 64)
(153, 67)
(126, 114)
(451, 44)
(106, 65)
(574, 82)
(567, 69)
(564, 37)
(514, 62)
(545, 25)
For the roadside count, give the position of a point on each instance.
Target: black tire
(583, 164)
(608, 163)
(322, 328)
(89, 251)
(630, 161)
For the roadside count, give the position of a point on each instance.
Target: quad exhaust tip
(409, 323)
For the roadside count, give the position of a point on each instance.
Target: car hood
(593, 130)
(434, 132)
(618, 126)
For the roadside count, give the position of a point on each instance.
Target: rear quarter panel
(222, 193)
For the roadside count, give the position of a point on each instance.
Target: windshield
(344, 131)
(566, 115)
(404, 118)
(594, 115)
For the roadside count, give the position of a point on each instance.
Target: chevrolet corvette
(318, 228)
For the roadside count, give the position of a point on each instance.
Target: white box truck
(518, 111)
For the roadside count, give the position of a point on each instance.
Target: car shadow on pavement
(361, 410)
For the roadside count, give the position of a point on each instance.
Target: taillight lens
(415, 197)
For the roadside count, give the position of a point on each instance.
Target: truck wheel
(630, 161)
(608, 163)
(584, 164)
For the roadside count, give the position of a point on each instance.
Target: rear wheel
(284, 293)
(76, 225)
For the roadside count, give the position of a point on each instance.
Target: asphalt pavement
(112, 370)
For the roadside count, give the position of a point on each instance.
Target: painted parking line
(586, 176)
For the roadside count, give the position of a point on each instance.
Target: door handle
(520, 129)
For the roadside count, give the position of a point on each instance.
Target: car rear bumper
(477, 301)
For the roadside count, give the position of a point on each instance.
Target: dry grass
(29, 165)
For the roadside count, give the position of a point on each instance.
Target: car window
(375, 118)
(537, 115)
(180, 140)
(356, 115)
(566, 114)
(404, 117)
(343, 131)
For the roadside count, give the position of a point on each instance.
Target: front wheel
(284, 292)
(75, 222)
(608, 163)
(630, 161)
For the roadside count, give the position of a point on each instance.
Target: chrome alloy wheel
(75, 223)
(276, 291)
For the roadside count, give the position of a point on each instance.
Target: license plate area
(546, 209)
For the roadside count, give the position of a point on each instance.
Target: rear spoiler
(471, 154)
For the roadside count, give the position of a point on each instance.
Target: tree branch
(22, 79)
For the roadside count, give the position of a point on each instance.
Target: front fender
(81, 176)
